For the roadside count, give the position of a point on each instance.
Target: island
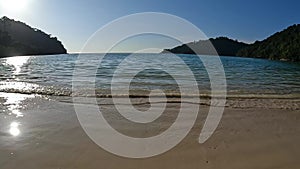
(284, 45)
(19, 39)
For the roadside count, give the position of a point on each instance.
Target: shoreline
(270, 101)
(51, 137)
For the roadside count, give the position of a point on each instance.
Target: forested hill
(284, 45)
(17, 38)
(223, 45)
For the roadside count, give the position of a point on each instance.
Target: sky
(74, 21)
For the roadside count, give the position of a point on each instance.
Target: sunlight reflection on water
(17, 62)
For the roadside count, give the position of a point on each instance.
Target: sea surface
(53, 75)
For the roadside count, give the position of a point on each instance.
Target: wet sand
(253, 133)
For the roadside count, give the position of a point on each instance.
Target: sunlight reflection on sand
(14, 102)
(14, 129)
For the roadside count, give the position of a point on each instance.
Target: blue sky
(73, 22)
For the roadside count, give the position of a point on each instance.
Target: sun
(14, 5)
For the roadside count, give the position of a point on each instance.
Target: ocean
(46, 124)
(53, 74)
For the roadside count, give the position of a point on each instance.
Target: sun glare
(14, 129)
(14, 5)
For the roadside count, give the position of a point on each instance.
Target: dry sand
(253, 134)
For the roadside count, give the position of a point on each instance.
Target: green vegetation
(284, 45)
(17, 38)
(223, 46)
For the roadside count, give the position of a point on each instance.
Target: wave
(30, 88)
(35, 89)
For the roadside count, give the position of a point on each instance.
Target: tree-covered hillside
(17, 38)
(284, 45)
(223, 46)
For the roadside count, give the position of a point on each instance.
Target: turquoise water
(53, 75)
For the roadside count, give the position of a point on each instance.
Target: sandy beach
(253, 133)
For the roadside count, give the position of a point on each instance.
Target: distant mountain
(223, 45)
(284, 45)
(17, 38)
